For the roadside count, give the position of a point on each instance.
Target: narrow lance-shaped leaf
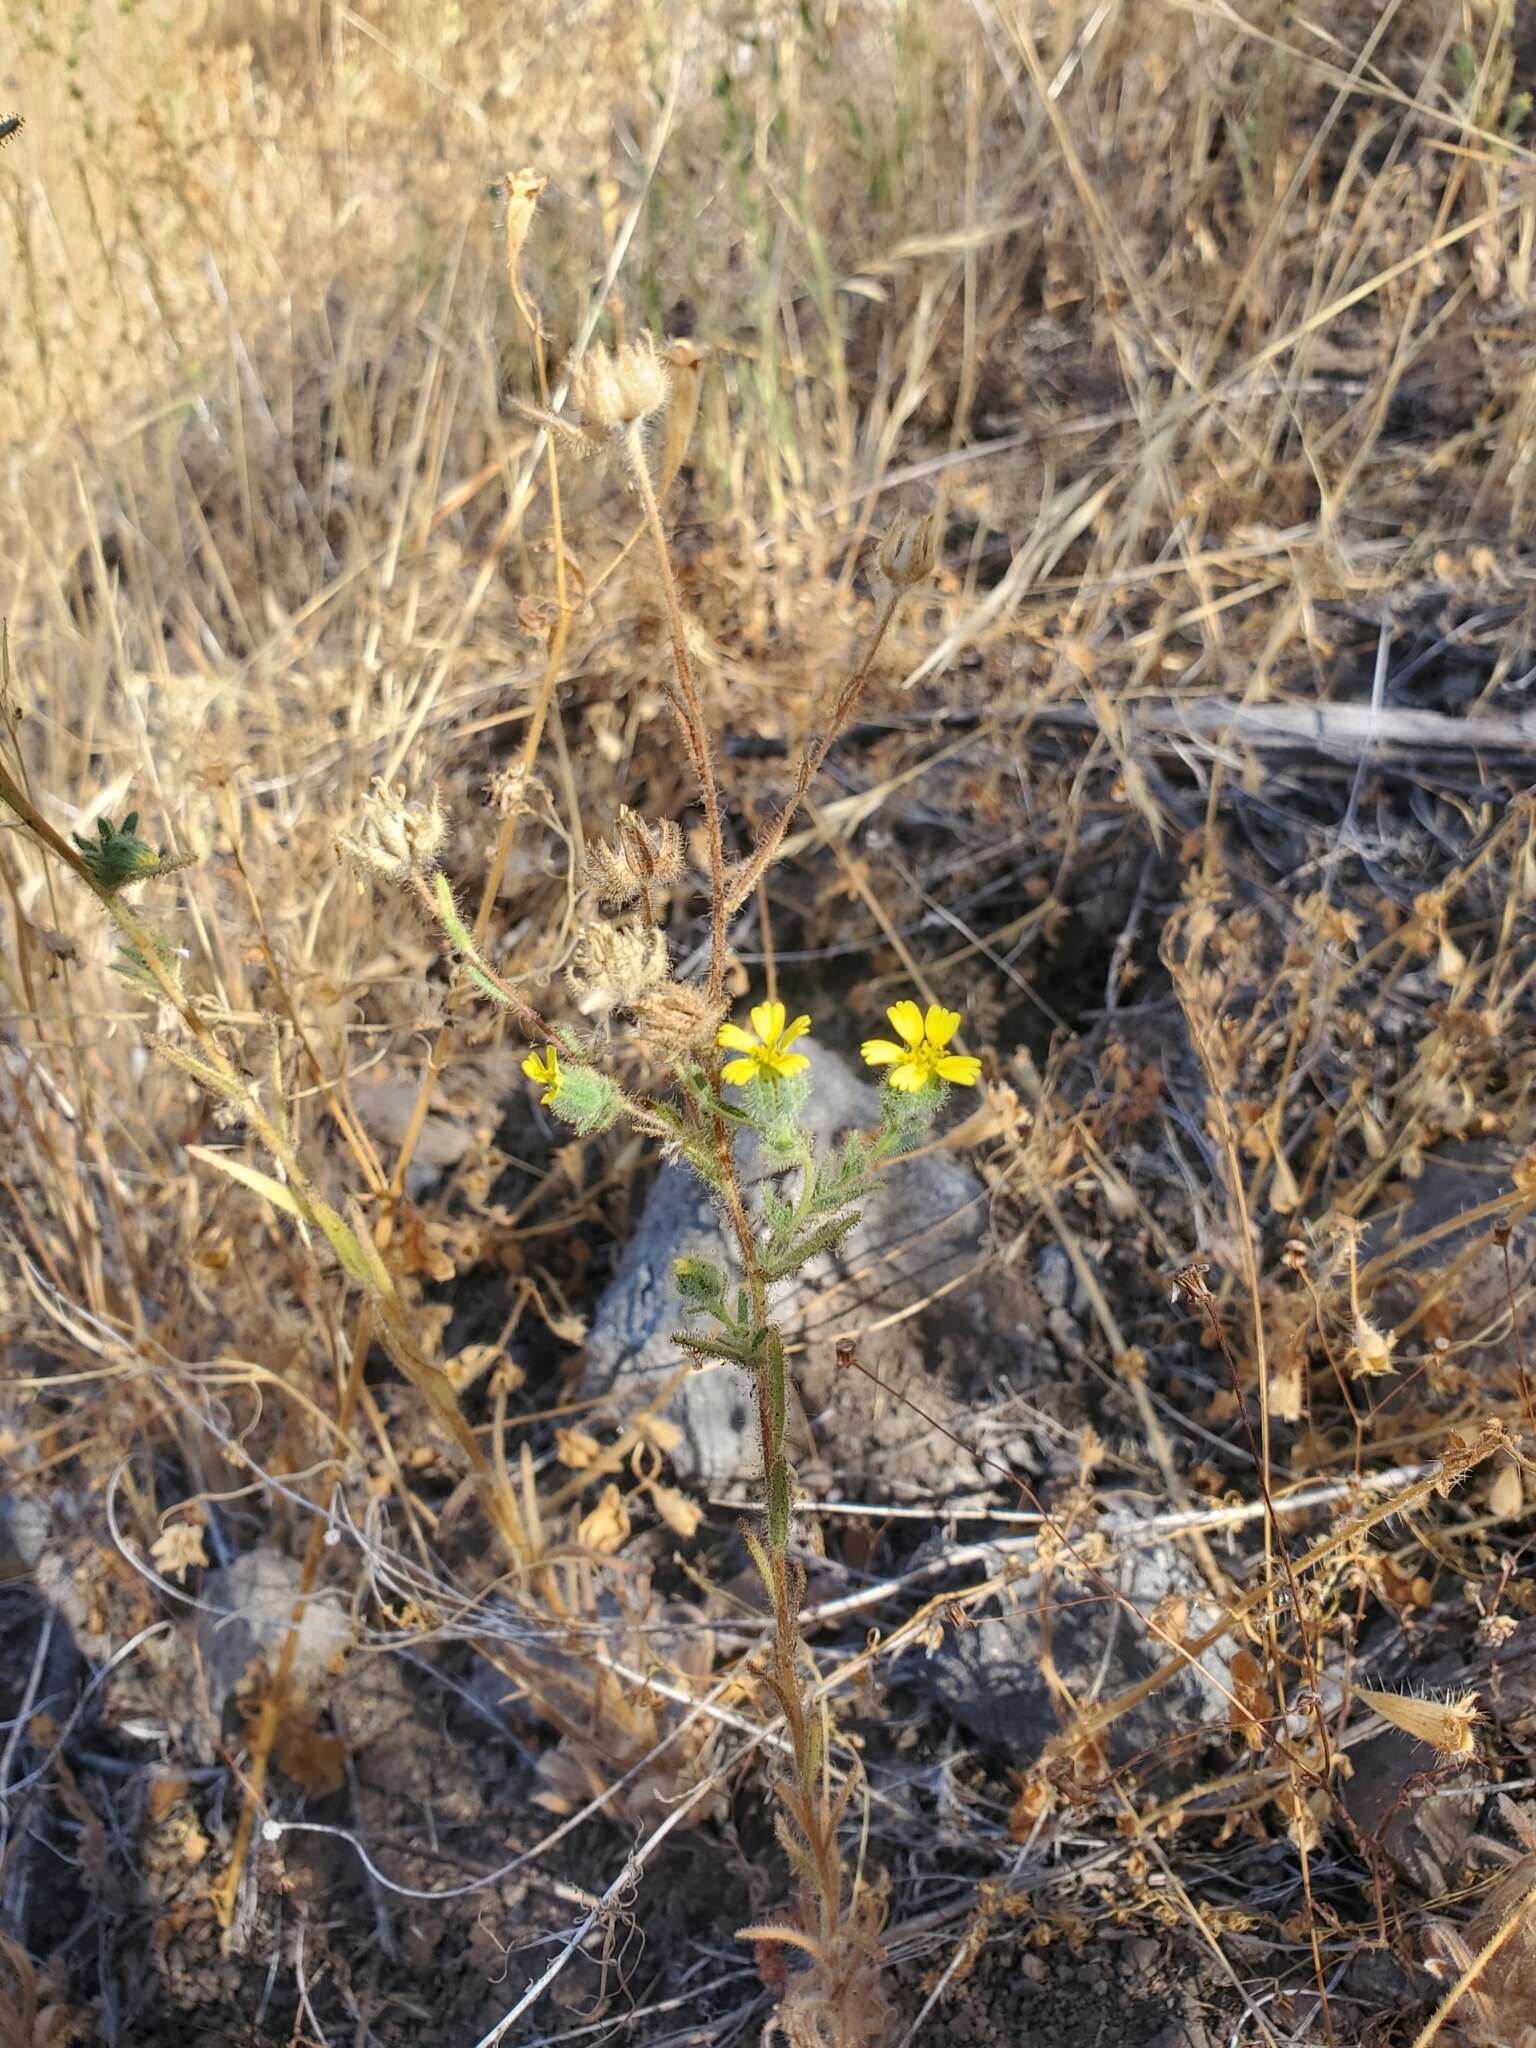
(778, 1504)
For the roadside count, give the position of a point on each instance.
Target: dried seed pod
(642, 858)
(618, 390)
(523, 189)
(1371, 1352)
(615, 966)
(1446, 1725)
(398, 837)
(909, 553)
(685, 359)
(679, 1018)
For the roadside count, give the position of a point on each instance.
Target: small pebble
(1065, 1334)
(1053, 1277)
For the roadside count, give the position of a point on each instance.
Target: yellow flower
(545, 1070)
(920, 1060)
(769, 1052)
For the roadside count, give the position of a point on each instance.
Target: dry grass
(1199, 777)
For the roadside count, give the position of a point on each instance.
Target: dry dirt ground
(1165, 1432)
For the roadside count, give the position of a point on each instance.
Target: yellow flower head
(767, 1054)
(545, 1069)
(920, 1061)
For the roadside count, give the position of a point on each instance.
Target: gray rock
(245, 1614)
(922, 1230)
(988, 1678)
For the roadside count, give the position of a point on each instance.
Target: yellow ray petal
(791, 1063)
(907, 1021)
(940, 1025)
(738, 1072)
(768, 1021)
(734, 1039)
(963, 1068)
(879, 1052)
(909, 1078)
(796, 1030)
(542, 1067)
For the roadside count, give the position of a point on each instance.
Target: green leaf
(811, 1762)
(363, 1264)
(701, 1283)
(777, 1214)
(826, 1238)
(251, 1177)
(711, 1347)
(773, 1366)
(840, 1179)
(778, 1504)
(133, 965)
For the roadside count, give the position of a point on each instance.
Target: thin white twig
(610, 1902)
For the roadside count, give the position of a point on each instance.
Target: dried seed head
(616, 965)
(1495, 1630)
(513, 789)
(523, 189)
(908, 553)
(678, 1018)
(615, 391)
(642, 858)
(684, 353)
(398, 837)
(538, 616)
(1371, 1352)
(685, 359)
(1446, 1725)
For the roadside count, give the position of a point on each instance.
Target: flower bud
(586, 1099)
(578, 1094)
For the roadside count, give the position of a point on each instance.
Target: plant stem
(751, 872)
(688, 710)
(809, 1812)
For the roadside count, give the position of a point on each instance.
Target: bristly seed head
(398, 837)
(1446, 1725)
(618, 390)
(514, 788)
(679, 1018)
(616, 966)
(642, 858)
